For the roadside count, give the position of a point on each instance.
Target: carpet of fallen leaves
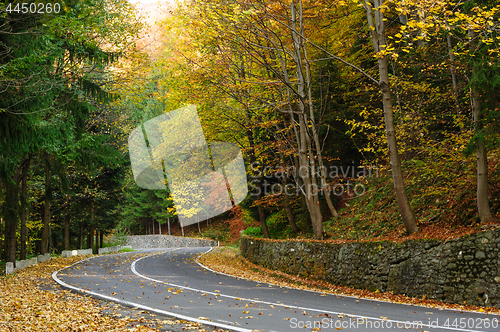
(26, 307)
(228, 260)
(30, 300)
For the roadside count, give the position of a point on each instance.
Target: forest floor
(228, 260)
(32, 301)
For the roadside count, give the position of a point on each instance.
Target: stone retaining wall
(464, 269)
(166, 241)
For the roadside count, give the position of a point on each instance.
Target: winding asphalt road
(171, 282)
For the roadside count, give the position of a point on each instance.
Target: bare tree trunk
(306, 154)
(81, 237)
(316, 219)
(89, 238)
(46, 208)
(376, 23)
(253, 161)
(2, 253)
(322, 171)
(159, 226)
(453, 70)
(262, 218)
(92, 238)
(288, 208)
(483, 205)
(168, 222)
(24, 214)
(66, 229)
(11, 209)
(11, 205)
(101, 238)
(290, 216)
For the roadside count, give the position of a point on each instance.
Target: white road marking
(140, 306)
(134, 270)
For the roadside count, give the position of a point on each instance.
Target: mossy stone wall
(464, 269)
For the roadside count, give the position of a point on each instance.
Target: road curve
(170, 282)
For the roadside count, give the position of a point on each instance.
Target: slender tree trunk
(7, 232)
(258, 179)
(253, 161)
(262, 219)
(159, 226)
(11, 209)
(288, 208)
(312, 207)
(483, 205)
(66, 230)
(93, 222)
(306, 153)
(101, 238)
(377, 27)
(24, 214)
(289, 214)
(92, 238)
(322, 170)
(168, 225)
(11, 215)
(2, 252)
(89, 238)
(80, 239)
(46, 210)
(453, 70)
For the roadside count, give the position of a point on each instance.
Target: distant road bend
(170, 282)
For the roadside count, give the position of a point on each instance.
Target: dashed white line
(140, 306)
(134, 270)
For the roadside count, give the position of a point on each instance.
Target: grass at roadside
(228, 260)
